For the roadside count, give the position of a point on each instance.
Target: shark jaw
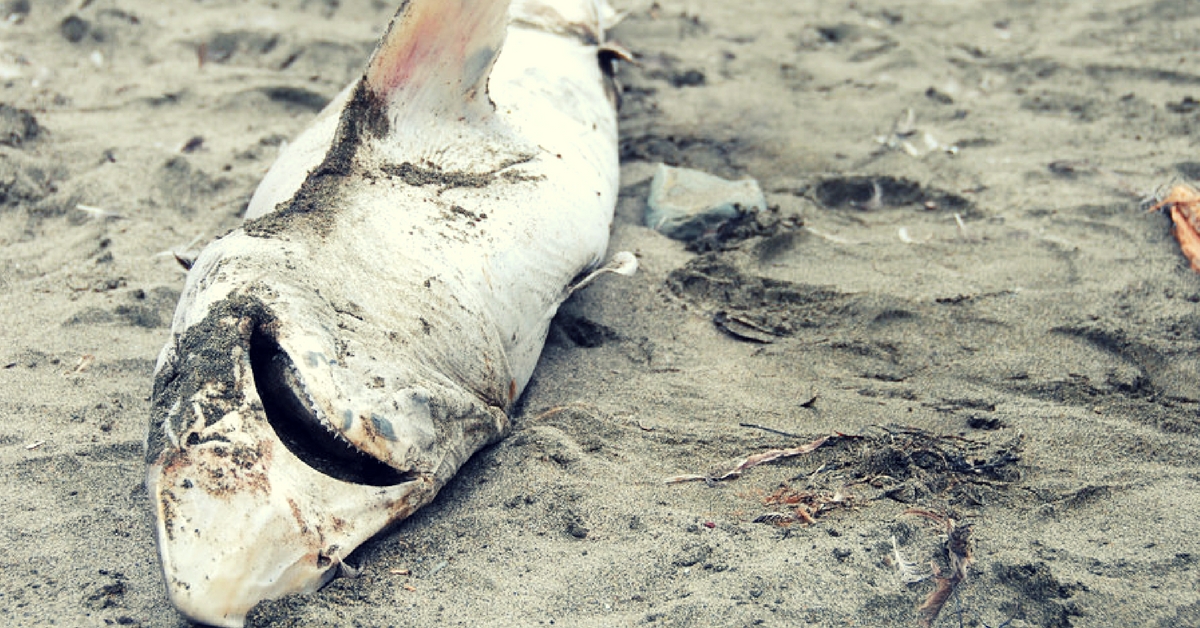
(255, 498)
(223, 553)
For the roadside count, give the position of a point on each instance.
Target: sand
(958, 278)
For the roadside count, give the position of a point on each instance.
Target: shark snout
(256, 497)
(223, 552)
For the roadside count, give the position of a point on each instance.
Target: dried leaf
(936, 600)
(1183, 201)
(743, 329)
(958, 555)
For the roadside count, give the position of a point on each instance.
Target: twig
(836, 239)
(753, 461)
(97, 213)
(962, 229)
(769, 429)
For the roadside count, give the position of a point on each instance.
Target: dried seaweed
(957, 547)
(805, 506)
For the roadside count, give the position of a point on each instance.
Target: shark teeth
(302, 429)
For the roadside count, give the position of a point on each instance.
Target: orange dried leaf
(1185, 234)
(1183, 201)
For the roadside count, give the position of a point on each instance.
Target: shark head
(273, 453)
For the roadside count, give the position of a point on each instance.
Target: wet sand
(958, 278)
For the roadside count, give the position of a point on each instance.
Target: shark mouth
(293, 417)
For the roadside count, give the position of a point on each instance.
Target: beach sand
(958, 281)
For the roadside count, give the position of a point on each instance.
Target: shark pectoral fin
(623, 263)
(437, 55)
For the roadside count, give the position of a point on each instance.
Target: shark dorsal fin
(436, 56)
(423, 96)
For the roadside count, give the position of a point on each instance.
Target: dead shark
(337, 358)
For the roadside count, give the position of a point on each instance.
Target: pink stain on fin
(433, 40)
